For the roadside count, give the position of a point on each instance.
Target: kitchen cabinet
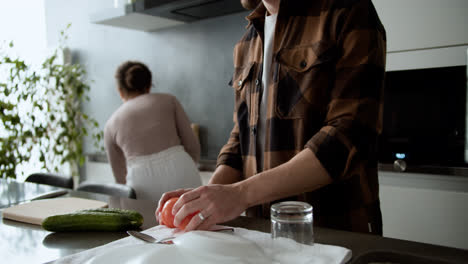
(423, 24)
(424, 33)
(425, 208)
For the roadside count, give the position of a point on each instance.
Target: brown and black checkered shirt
(325, 94)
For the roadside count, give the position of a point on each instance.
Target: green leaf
(55, 93)
(82, 160)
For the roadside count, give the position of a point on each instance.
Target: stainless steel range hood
(151, 15)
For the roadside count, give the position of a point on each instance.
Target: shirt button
(257, 82)
(253, 130)
(303, 64)
(239, 83)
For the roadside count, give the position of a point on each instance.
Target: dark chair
(51, 179)
(114, 189)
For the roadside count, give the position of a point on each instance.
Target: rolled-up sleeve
(354, 113)
(230, 154)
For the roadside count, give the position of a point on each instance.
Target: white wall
(189, 61)
(23, 22)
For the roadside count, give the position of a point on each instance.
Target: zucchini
(131, 213)
(94, 220)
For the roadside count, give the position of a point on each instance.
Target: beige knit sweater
(145, 125)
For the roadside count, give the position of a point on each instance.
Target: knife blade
(148, 238)
(167, 240)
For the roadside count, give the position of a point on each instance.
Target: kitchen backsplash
(191, 61)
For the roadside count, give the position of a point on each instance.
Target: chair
(114, 189)
(53, 179)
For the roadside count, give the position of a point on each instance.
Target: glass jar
(292, 220)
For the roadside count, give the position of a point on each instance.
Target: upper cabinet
(423, 24)
(151, 15)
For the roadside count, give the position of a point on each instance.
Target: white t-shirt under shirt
(269, 35)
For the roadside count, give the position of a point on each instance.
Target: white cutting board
(36, 211)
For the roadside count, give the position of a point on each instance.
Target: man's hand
(166, 196)
(216, 203)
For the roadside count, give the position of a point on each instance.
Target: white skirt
(152, 175)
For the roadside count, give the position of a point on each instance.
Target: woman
(150, 144)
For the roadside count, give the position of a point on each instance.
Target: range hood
(151, 15)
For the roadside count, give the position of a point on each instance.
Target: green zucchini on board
(131, 213)
(101, 219)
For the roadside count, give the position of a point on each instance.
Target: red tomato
(167, 218)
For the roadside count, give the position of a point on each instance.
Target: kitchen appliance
(425, 118)
(188, 10)
(151, 15)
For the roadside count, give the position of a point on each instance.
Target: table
(25, 243)
(13, 192)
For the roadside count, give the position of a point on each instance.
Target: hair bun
(133, 76)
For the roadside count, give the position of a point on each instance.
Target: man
(308, 84)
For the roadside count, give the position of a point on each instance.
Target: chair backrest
(51, 179)
(114, 189)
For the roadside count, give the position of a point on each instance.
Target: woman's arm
(115, 156)
(187, 137)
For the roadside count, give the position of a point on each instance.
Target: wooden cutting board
(36, 211)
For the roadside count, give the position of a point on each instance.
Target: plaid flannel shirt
(326, 94)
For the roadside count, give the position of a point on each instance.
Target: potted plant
(41, 120)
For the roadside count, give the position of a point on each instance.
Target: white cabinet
(422, 24)
(425, 208)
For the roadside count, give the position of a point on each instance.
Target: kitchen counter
(375, 248)
(210, 165)
(24, 243)
(415, 206)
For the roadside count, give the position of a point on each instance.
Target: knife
(50, 194)
(167, 240)
(148, 238)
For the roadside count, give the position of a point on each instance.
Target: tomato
(167, 218)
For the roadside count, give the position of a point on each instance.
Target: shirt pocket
(241, 81)
(304, 75)
(241, 75)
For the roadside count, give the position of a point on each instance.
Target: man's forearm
(225, 174)
(303, 173)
